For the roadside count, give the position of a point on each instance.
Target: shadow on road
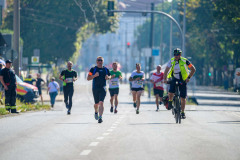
(148, 123)
(226, 122)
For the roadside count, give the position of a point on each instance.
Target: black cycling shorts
(99, 94)
(137, 89)
(158, 91)
(182, 87)
(113, 91)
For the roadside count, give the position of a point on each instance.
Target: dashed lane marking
(100, 138)
(93, 144)
(85, 152)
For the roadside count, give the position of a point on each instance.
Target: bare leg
(170, 96)
(101, 108)
(138, 99)
(96, 108)
(134, 93)
(116, 100)
(41, 99)
(157, 103)
(183, 102)
(111, 101)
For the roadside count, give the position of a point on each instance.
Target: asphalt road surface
(210, 131)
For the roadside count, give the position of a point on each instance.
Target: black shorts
(99, 94)
(182, 87)
(39, 90)
(113, 91)
(158, 91)
(137, 89)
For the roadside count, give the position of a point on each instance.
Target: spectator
(29, 80)
(238, 74)
(39, 85)
(53, 88)
(8, 80)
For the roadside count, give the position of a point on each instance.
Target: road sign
(36, 52)
(35, 59)
(155, 52)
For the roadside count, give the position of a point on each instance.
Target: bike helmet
(177, 51)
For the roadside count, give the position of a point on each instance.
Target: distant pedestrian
(8, 80)
(39, 85)
(1, 86)
(53, 88)
(238, 74)
(29, 79)
(68, 76)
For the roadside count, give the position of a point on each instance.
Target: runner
(157, 80)
(137, 79)
(39, 86)
(99, 74)
(68, 76)
(114, 86)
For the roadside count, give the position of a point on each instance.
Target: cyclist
(68, 76)
(177, 69)
(157, 80)
(99, 74)
(137, 79)
(114, 86)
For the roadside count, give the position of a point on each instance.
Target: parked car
(26, 92)
(236, 80)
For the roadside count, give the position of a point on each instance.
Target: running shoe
(160, 103)
(111, 109)
(134, 105)
(115, 111)
(68, 112)
(137, 111)
(183, 115)
(96, 116)
(157, 109)
(100, 120)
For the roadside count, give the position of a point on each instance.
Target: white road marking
(110, 130)
(100, 138)
(113, 127)
(115, 124)
(93, 144)
(105, 134)
(85, 152)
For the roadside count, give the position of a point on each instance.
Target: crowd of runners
(177, 70)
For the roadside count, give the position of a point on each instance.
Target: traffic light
(209, 74)
(128, 44)
(110, 7)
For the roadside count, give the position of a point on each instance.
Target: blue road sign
(155, 52)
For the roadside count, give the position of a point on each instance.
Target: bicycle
(176, 110)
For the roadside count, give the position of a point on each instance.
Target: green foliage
(54, 26)
(3, 111)
(212, 35)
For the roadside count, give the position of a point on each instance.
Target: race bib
(69, 80)
(158, 84)
(139, 83)
(114, 83)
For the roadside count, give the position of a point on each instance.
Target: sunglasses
(99, 60)
(176, 54)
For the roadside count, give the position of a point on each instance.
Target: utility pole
(184, 29)
(170, 48)
(151, 59)
(126, 65)
(16, 35)
(161, 40)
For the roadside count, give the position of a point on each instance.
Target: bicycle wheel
(177, 114)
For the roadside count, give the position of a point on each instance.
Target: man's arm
(3, 83)
(165, 74)
(192, 71)
(75, 77)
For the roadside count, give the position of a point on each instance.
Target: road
(209, 132)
